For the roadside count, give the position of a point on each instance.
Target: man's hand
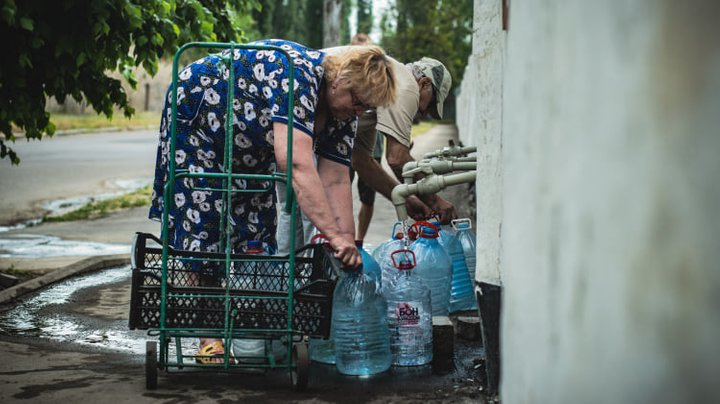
(442, 208)
(416, 209)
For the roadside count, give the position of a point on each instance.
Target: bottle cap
(254, 247)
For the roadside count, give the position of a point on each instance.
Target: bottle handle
(419, 225)
(463, 221)
(393, 232)
(406, 261)
(319, 236)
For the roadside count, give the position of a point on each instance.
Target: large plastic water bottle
(370, 266)
(247, 275)
(462, 294)
(433, 266)
(382, 252)
(466, 236)
(409, 314)
(359, 324)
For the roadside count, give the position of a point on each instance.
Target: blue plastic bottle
(433, 266)
(462, 294)
(466, 236)
(409, 314)
(359, 324)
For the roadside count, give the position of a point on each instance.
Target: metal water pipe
(435, 166)
(428, 185)
(451, 151)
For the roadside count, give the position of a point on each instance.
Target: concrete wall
(610, 170)
(150, 93)
(479, 121)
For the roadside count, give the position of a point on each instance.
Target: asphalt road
(67, 166)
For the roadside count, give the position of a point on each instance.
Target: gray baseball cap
(441, 82)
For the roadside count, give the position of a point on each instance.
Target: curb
(87, 265)
(80, 131)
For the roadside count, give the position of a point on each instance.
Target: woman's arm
(331, 219)
(336, 179)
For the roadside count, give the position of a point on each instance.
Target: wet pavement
(88, 314)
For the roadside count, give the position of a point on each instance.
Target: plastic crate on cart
(252, 280)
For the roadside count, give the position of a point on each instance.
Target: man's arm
(381, 181)
(398, 155)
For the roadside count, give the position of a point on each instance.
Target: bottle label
(408, 314)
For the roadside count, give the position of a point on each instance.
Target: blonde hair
(368, 71)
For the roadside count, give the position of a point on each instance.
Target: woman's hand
(346, 252)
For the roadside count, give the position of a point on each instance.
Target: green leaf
(27, 24)
(141, 40)
(81, 58)
(157, 39)
(50, 129)
(176, 29)
(24, 60)
(150, 66)
(130, 77)
(8, 12)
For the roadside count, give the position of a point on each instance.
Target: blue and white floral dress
(261, 98)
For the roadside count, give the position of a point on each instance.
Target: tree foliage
(364, 16)
(441, 29)
(296, 20)
(64, 48)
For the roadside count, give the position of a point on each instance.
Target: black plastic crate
(190, 306)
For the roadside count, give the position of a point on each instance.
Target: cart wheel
(301, 361)
(151, 369)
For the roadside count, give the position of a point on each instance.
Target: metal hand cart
(281, 300)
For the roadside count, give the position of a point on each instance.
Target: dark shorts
(366, 193)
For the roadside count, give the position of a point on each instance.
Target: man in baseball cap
(421, 89)
(440, 79)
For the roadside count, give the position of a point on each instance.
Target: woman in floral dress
(329, 91)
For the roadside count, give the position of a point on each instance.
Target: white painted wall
(479, 122)
(610, 168)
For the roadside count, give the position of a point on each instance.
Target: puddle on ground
(62, 206)
(34, 317)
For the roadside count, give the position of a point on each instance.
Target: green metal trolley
(281, 300)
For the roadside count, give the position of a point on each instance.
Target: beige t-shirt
(395, 120)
